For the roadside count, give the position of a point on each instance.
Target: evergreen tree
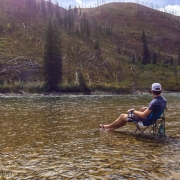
(65, 19)
(58, 14)
(52, 57)
(82, 82)
(76, 11)
(96, 45)
(69, 18)
(80, 13)
(118, 48)
(179, 58)
(146, 54)
(155, 58)
(88, 30)
(50, 8)
(72, 21)
(70, 54)
(85, 27)
(77, 30)
(81, 27)
(172, 61)
(133, 59)
(43, 8)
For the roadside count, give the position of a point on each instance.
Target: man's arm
(142, 114)
(143, 109)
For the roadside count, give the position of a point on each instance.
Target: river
(57, 137)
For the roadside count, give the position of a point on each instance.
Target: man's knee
(123, 117)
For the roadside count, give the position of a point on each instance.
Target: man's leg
(121, 121)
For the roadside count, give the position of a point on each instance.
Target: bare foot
(103, 127)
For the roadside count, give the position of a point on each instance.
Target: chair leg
(154, 128)
(141, 131)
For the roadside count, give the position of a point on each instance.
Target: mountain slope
(110, 52)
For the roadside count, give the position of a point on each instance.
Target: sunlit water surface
(50, 137)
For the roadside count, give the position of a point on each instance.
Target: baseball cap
(156, 87)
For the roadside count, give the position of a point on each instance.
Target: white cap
(156, 87)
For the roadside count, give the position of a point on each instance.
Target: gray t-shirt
(158, 101)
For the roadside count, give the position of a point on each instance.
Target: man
(145, 113)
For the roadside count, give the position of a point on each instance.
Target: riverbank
(78, 93)
(76, 89)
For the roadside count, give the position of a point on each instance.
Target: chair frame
(154, 128)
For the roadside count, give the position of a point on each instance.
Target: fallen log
(22, 92)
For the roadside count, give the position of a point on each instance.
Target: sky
(171, 6)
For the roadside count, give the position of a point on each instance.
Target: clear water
(50, 137)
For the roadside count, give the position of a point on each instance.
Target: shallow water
(50, 137)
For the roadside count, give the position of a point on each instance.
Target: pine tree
(88, 30)
(58, 14)
(69, 18)
(43, 8)
(50, 8)
(65, 19)
(155, 58)
(97, 45)
(76, 11)
(81, 27)
(171, 61)
(179, 58)
(52, 57)
(80, 13)
(70, 57)
(146, 54)
(82, 82)
(133, 59)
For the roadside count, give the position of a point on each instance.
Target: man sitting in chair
(143, 115)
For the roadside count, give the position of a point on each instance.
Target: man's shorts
(132, 118)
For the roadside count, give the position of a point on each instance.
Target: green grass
(110, 88)
(69, 87)
(30, 87)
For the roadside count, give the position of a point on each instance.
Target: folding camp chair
(155, 125)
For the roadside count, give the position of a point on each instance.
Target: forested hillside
(116, 46)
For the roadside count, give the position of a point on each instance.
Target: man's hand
(130, 110)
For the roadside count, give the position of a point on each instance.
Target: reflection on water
(58, 138)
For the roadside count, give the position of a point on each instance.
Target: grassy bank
(30, 87)
(114, 88)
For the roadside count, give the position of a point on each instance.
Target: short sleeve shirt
(158, 101)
